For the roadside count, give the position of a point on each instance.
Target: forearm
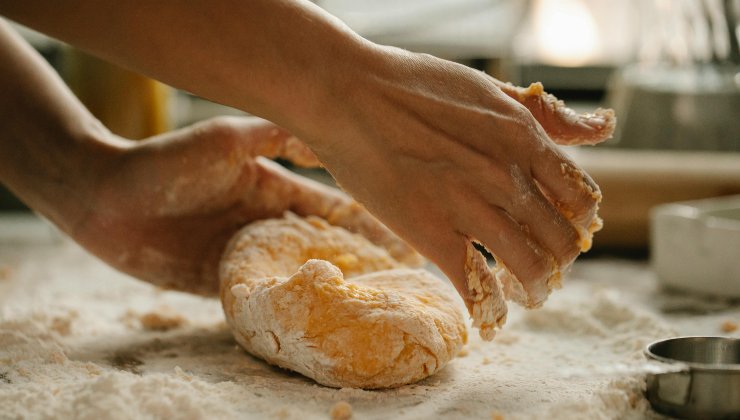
(279, 59)
(50, 145)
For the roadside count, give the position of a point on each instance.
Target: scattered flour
(70, 348)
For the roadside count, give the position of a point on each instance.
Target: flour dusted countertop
(79, 340)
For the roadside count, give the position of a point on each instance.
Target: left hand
(164, 208)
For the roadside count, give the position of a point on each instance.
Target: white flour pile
(78, 340)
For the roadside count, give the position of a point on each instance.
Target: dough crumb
(182, 374)
(728, 326)
(240, 290)
(5, 272)
(58, 357)
(497, 416)
(486, 361)
(162, 319)
(62, 324)
(507, 338)
(93, 369)
(282, 414)
(341, 411)
(463, 352)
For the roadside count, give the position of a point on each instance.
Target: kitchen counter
(78, 339)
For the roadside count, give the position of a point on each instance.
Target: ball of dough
(319, 300)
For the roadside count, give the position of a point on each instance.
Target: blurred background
(669, 68)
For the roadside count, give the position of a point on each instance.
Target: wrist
(96, 152)
(343, 87)
(324, 85)
(60, 182)
(354, 96)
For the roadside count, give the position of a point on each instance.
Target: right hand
(442, 155)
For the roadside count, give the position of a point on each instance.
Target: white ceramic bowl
(695, 246)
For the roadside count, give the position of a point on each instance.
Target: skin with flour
(413, 128)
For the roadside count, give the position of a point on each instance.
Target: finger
(467, 270)
(307, 197)
(571, 190)
(516, 250)
(542, 220)
(259, 137)
(562, 124)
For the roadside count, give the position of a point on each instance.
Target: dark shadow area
(678, 302)
(9, 202)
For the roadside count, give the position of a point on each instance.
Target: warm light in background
(566, 32)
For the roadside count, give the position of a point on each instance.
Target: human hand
(443, 156)
(164, 208)
(434, 149)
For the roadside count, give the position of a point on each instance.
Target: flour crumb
(282, 414)
(486, 361)
(58, 357)
(341, 411)
(728, 326)
(161, 319)
(182, 374)
(62, 325)
(507, 338)
(129, 319)
(93, 369)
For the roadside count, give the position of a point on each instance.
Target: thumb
(260, 137)
(564, 125)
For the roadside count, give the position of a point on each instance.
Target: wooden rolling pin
(634, 181)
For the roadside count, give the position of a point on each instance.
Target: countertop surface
(78, 339)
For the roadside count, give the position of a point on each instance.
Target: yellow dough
(322, 301)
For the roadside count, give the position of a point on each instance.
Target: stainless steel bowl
(706, 379)
(663, 107)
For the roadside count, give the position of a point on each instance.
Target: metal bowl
(706, 379)
(695, 245)
(665, 107)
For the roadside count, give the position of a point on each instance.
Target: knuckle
(220, 127)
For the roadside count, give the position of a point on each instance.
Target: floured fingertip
(579, 178)
(555, 280)
(487, 334)
(586, 233)
(512, 287)
(610, 121)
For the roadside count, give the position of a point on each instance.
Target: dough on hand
(319, 300)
